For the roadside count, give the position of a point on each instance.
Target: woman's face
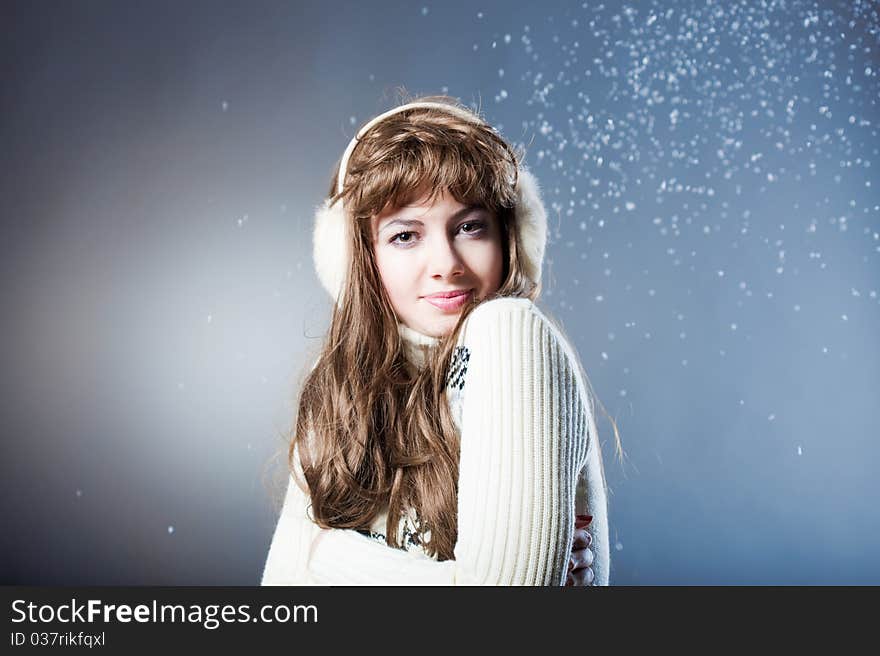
(433, 257)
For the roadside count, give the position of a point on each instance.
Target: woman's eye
(403, 238)
(472, 227)
(409, 237)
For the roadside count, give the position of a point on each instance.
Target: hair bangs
(417, 156)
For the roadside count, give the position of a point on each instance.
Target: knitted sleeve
(525, 428)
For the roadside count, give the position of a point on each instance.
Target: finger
(579, 577)
(582, 539)
(589, 576)
(576, 560)
(587, 558)
(580, 558)
(582, 576)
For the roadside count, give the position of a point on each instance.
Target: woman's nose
(444, 261)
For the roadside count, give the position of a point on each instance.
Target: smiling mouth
(452, 294)
(450, 301)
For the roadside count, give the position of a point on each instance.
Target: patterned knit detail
(458, 367)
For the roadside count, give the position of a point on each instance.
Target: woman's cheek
(397, 272)
(488, 261)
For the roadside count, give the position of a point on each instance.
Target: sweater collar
(416, 345)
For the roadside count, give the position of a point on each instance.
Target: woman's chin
(439, 328)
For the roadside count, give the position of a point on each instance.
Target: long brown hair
(371, 430)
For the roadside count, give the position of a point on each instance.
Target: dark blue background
(714, 255)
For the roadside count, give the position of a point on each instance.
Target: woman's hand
(580, 571)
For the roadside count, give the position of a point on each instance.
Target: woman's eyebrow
(409, 223)
(406, 223)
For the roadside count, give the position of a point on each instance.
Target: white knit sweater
(529, 462)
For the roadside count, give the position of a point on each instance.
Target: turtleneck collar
(415, 344)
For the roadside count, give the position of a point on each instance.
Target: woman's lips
(450, 303)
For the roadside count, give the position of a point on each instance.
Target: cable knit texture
(529, 463)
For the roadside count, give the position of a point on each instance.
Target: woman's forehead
(422, 203)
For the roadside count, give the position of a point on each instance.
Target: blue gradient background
(714, 254)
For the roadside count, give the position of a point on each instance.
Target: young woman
(446, 415)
